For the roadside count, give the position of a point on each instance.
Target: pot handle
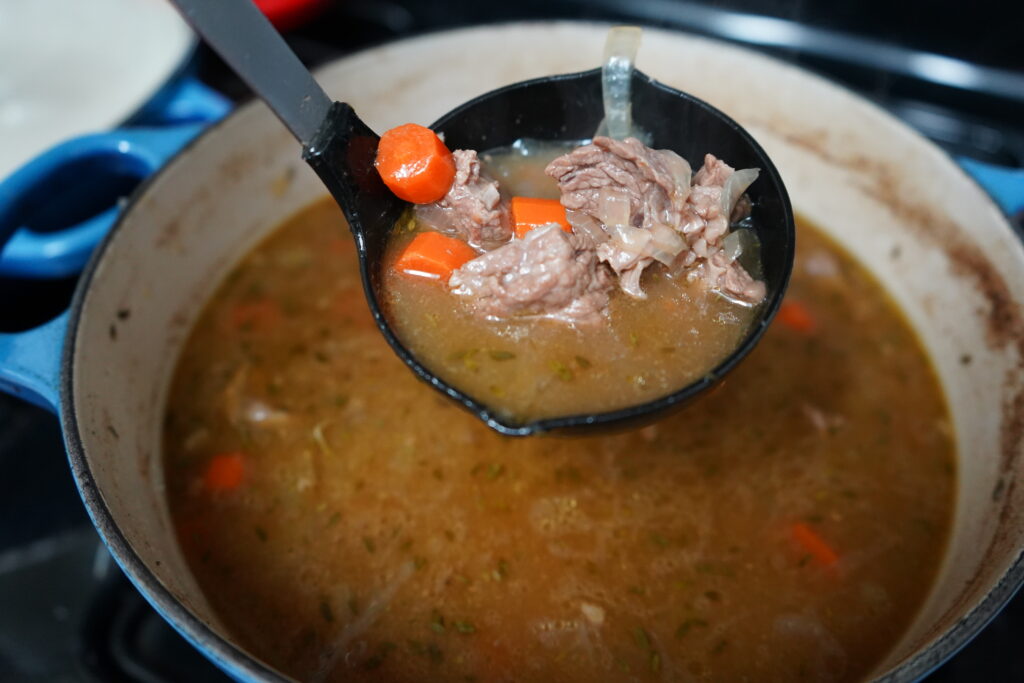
(88, 177)
(77, 171)
(185, 100)
(1006, 185)
(30, 363)
(91, 175)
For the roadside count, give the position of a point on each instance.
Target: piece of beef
(640, 207)
(706, 199)
(730, 278)
(549, 273)
(630, 250)
(472, 210)
(712, 265)
(655, 182)
(625, 186)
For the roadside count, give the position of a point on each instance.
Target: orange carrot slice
(796, 316)
(224, 472)
(415, 164)
(434, 254)
(815, 545)
(529, 213)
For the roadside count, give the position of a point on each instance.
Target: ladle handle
(246, 40)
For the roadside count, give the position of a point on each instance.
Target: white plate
(69, 67)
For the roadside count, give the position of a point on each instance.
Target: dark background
(67, 614)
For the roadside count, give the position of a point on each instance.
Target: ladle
(341, 149)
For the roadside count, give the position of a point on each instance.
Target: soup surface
(347, 523)
(527, 367)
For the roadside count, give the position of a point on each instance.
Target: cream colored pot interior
(933, 237)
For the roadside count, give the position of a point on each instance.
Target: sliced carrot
(433, 254)
(261, 314)
(814, 544)
(797, 316)
(224, 472)
(529, 213)
(415, 164)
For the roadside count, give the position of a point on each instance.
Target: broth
(370, 530)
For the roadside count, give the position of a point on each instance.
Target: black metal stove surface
(68, 614)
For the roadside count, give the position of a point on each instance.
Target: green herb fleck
(583, 362)
(340, 400)
(655, 662)
(689, 625)
(562, 370)
(325, 611)
(436, 622)
(465, 627)
(501, 573)
(334, 519)
(641, 638)
(637, 590)
(369, 544)
(634, 340)
(719, 647)
(495, 470)
(659, 540)
(321, 357)
(467, 357)
(419, 563)
(500, 355)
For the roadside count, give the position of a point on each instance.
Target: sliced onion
(666, 244)
(612, 206)
(735, 186)
(584, 224)
(742, 245)
(736, 242)
(629, 280)
(682, 174)
(631, 239)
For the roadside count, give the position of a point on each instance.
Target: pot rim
(222, 652)
(233, 659)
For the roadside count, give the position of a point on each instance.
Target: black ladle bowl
(557, 108)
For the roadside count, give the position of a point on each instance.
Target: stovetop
(66, 611)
